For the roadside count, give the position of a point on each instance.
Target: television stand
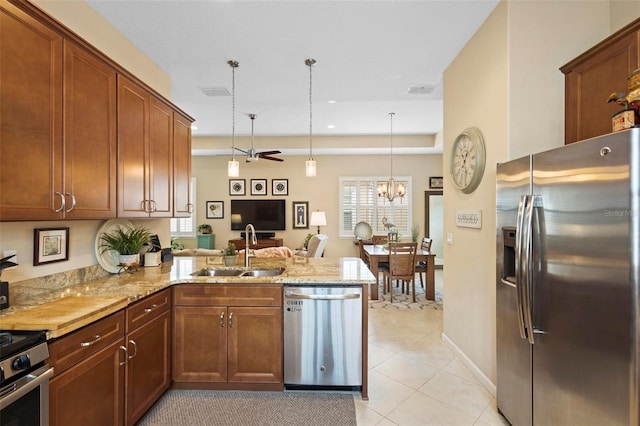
(262, 243)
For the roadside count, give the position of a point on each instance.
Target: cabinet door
(255, 345)
(89, 135)
(160, 159)
(200, 344)
(148, 370)
(133, 143)
(591, 78)
(30, 117)
(182, 206)
(91, 392)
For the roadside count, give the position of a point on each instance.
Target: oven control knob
(21, 363)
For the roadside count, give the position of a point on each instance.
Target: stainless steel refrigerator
(568, 284)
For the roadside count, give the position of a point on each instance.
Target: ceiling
(368, 53)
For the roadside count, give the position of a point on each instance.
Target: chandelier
(310, 165)
(391, 189)
(233, 166)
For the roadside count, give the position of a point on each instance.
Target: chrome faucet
(254, 241)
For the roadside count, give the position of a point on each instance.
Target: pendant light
(310, 165)
(233, 166)
(391, 189)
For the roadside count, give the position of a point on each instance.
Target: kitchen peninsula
(124, 321)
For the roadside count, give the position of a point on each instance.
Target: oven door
(26, 401)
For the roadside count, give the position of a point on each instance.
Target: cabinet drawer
(147, 309)
(228, 295)
(73, 348)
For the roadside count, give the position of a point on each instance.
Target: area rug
(405, 301)
(238, 408)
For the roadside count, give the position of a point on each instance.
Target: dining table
(376, 254)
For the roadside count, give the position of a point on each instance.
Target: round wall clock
(467, 160)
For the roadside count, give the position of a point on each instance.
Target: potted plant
(205, 228)
(128, 242)
(229, 255)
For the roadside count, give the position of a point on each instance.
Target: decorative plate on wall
(363, 231)
(110, 259)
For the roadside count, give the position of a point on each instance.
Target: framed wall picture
(435, 182)
(215, 209)
(300, 215)
(279, 186)
(236, 187)
(258, 187)
(50, 245)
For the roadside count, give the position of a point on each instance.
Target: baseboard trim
(484, 380)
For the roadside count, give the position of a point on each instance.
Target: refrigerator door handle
(518, 261)
(527, 244)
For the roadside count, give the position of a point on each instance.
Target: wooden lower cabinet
(226, 346)
(112, 371)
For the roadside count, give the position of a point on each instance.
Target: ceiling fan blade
(263, 153)
(241, 150)
(266, 157)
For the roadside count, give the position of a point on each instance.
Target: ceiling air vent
(421, 89)
(215, 91)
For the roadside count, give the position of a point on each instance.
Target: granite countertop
(67, 309)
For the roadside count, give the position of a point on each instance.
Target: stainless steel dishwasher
(322, 337)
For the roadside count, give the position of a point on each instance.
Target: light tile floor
(415, 379)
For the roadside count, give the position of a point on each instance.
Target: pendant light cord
(233, 65)
(391, 114)
(309, 63)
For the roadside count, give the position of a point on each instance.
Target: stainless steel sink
(210, 272)
(262, 272)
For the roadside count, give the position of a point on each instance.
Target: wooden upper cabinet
(161, 159)
(30, 117)
(182, 206)
(89, 135)
(592, 77)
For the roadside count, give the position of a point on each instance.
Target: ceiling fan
(252, 154)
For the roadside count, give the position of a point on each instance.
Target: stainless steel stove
(24, 378)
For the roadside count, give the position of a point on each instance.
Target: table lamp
(318, 219)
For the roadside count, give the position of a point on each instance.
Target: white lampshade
(310, 168)
(318, 219)
(233, 168)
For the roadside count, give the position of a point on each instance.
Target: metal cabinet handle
(190, 208)
(152, 308)
(73, 201)
(95, 340)
(135, 350)
(126, 356)
(346, 296)
(62, 201)
(152, 206)
(230, 319)
(221, 319)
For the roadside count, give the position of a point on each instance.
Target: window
(184, 226)
(359, 201)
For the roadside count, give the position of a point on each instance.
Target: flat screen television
(264, 215)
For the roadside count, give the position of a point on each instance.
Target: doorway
(434, 223)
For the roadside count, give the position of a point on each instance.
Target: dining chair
(421, 267)
(402, 264)
(379, 240)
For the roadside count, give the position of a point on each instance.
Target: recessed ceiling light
(331, 126)
(215, 91)
(332, 102)
(194, 127)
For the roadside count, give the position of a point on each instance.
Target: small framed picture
(300, 215)
(236, 187)
(279, 186)
(215, 209)
(258, 187)
(435, 182)
(50, 245)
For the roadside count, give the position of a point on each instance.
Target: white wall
(516, 99)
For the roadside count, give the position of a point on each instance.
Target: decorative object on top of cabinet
(300, 214)
(258, 187)
(279, 186)
(237, 187)
(592, 76)
(436, 182)
(204, 228)
(630, 115)
(50, 245)
(467, 160)
(215, 209)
